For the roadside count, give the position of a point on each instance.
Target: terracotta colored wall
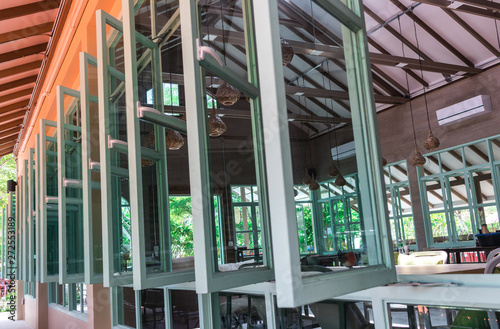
(30, 314)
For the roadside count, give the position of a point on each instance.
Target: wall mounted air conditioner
(473, 106)
(344, 151)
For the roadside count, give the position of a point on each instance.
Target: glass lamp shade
(431, 142)
(417, 159)
(286, 52)
(384, 162)
(174, 140)
(216, 126)
(227, 95)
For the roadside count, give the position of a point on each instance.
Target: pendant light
(417, 159)
(227, 95)
(431, 142)
(340, 181)
(216, 126)
(307, 179)
(313, 186)
(174, 140)
(333, 171)
(149, 141)
(287, 52)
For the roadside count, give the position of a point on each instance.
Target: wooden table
(467, 268)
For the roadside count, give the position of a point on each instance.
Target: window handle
(112, 142)
(205, 49)
(141, 109)
(93, 164)
(66, 182)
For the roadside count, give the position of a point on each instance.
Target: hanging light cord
(331, 103)
(225, 177)
(407, 85)
(223, 33)
(422, 75)
(496, 28)
(313, 25)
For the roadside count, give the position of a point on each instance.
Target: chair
(425, 258)
(491, 265)
(492, 254)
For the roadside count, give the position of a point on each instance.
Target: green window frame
(92, 219)
(70, 193)
(49, 221)
(399, 204)
(341, 218)
(71, 297)
(209, 279)
(32, 215)
(293, 290)
(246, 212)
(305, 206)
(460, 215)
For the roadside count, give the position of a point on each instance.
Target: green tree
(8, 170)
(181, 226)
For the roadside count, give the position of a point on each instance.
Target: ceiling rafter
(339, 94)
(9, 132)
(28, 9)
(433, 33)
(26, 33)
(12, 107)
(291, 67)
(399, 36)
(408, 71)
(18, 83)
(8, 125)
(469, 9)
(21, 68)
(9, 56)
(472, 32)
(15, 95)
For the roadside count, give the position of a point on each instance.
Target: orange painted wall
(79, 34)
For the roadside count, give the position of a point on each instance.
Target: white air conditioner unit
(473, 106)
(344, 151)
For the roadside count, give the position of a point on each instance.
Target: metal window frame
(64, 115)
(45, 199)
(90, 277)
(4, 243)
(32, 215)
(443, 178)
(208, 280)
(292, 290)
(152, 55)
(38, 199)
(395, 199)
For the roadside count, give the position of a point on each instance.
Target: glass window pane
(185, 311)
(439, 227)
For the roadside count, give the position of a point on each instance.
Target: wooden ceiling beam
(472, 32)
(408, 71)
(21, 68)
(16, 95)
(39, 48)
(2, 154)
(466, 8)
(239, 13)
(399, 36)
(9, 125)
(13, 107)
(10, 132)
(26, 32)
(13, 115)
(433, 33)
(335, 52)
(28, 9)
(7, 145)
(339, 95)
(18, 83)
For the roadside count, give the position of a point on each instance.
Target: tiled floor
(5, 323)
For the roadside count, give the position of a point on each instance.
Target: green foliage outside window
(181, 226)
